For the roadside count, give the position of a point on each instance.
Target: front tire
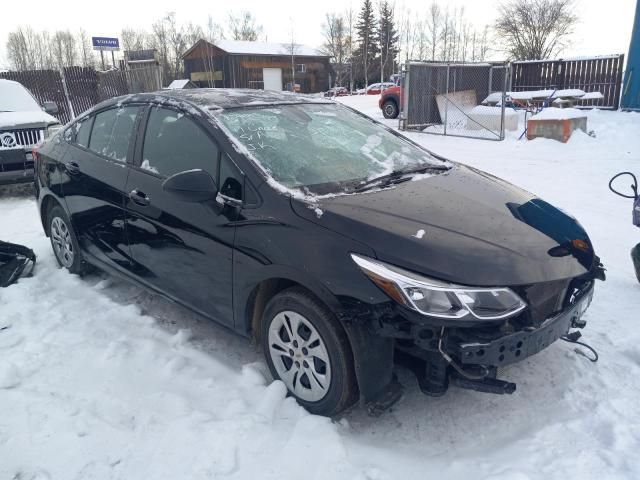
(64, 242)
(390, 109)
(307, 348)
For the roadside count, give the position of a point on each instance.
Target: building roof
(266, 48)
(242, 47)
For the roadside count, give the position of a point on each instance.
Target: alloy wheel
(300, 356)
(390, 110)
(62, 243)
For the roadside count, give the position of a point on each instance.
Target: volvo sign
(105, 43)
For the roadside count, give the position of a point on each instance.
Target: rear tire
(390, 109)
(306, 347)
(64, 242)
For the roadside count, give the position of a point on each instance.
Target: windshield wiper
(398, 176)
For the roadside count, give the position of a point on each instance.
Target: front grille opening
(26, 137)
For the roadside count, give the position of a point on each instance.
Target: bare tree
(28, 49)
(192, 33)
(214, 30)
(292, 49)
(335, 43)
(243, 26)
(177, 44)
(434, 22)
(160, 42)
(535, 29)
(133, 39)
(64, 49)
(17, 50)
(349, 42)
(85, 49)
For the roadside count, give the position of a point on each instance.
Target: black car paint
(215, 257)
(471, 234)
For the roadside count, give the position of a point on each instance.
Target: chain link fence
(457, 99)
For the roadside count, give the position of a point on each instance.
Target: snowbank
(100, 380)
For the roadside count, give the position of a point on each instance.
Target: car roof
(219, 98)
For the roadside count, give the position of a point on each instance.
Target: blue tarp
(631, 87)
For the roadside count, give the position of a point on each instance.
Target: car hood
(31, 119)
(463, 226)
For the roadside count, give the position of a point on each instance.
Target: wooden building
(259, 65)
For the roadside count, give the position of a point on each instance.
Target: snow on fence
(76, 89)
(591, 74)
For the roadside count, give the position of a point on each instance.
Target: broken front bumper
(513, 348)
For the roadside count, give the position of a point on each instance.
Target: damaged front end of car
(451, 334)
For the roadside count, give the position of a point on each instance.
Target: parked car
(334, 242)
(23, 123)
(378, 88)
(391, 101)
(337, 92)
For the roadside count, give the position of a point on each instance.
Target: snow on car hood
(36, 118)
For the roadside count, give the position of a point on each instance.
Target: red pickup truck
(390, 101)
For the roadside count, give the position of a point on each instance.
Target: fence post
(66, 93)
(507, 71)
(446, 99)
(404, 90)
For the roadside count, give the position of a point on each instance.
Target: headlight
(51, 131)
(440, 299)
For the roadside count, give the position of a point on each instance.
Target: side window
(174, 143)
(231, 179)
(83, 129)
(112, 130)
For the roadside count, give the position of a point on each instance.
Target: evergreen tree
(388, 40)
(367, 39)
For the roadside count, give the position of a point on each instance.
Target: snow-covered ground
(100, 380)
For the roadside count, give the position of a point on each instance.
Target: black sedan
(335, 243)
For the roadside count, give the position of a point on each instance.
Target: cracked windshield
(320, 145)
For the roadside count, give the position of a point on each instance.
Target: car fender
(372, 354)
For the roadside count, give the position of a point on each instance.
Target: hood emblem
(8, 140)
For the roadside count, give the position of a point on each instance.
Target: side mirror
(191, 186)
(633, 186)
(50, 107)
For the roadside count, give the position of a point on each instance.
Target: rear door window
(174, 143)
(112, 131)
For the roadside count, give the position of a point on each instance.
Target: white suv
(23, 124)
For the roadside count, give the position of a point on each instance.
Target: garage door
(272, 78)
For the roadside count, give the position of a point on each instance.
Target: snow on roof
(531, 94)
(553, 113)
(568, 93)
(266, 48)
(592, 96)
(179, 83)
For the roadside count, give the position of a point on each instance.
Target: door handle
(139, 198)
(72, 167)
